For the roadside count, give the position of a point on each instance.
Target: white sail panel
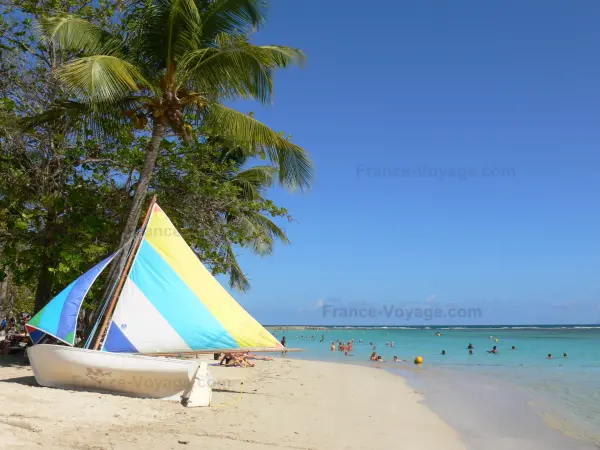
(141, 326)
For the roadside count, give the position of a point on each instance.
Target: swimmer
(322, 338)
(443, 352)
(438, 334)
(513, 348)
(470, 352)
(470, 347)
(549, 355)
(565, 355)
(493, 350)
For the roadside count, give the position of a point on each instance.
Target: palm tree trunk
(142, 187)
(135, 210)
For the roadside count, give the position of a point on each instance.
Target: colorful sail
(59, 317)
(170, 303)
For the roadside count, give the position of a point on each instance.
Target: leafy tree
(169, 69)
(54, 217)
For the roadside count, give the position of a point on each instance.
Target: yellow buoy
(496, 339)
(419, 360)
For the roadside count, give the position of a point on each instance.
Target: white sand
(286, 404)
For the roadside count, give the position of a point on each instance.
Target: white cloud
(314, 307)
(431, 298)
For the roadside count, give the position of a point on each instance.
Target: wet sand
(491, 414)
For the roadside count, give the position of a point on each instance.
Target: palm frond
(101, 78)
(81, 119)
(237, 279)
(72, 33)
(252, 181)
(183, 30)
(295, 167)
(236, 68)
(262, 230)
(233, 17)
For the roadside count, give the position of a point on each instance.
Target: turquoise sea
(569, 388)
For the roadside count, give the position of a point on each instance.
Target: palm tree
(177, 62)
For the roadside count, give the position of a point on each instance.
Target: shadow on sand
(19, 362)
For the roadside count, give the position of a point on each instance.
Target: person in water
(470, 352)
(379, 358)
(565, 355)
(493, 350)
(443, 352)
(549, 355)
(373, 356)
(513, 348)
(322, 338)
(470, 347)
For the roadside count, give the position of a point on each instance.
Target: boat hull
(133, 375)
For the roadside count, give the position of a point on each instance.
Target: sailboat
(165, 303)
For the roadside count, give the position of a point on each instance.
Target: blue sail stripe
(36, 335)
(116, 341)
(74, 298)
(188, 316)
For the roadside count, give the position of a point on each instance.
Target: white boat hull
(133, 375)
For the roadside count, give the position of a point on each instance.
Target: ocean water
(566, 391)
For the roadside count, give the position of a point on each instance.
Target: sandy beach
(285, 404)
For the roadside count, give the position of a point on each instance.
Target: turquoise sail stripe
(188, 316)
(59, 317)
(53, 310)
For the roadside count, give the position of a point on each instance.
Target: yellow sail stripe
(164, 238)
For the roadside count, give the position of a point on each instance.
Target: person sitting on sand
(255, 356)
(225, 358)
(373, 356)
(236, 359)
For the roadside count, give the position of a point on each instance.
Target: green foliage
(75, 111)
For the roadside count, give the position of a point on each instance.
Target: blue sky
(398, 97)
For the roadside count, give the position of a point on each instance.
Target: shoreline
(525, 418)
(285, 404)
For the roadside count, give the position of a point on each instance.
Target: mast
(113, 300)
